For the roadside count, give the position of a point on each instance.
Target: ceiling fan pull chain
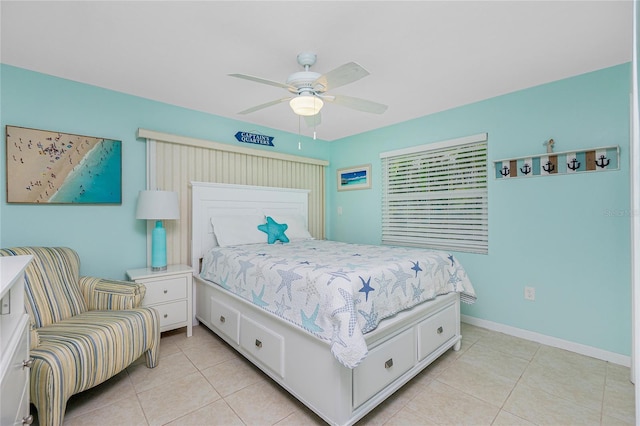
(299, 144)
(315, 121)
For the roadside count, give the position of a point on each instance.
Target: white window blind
(436, 195)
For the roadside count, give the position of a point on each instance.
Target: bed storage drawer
(436, 330)
(226, 319)
(265, 345)
(383, 365)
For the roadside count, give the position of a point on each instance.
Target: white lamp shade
(306, 105)
(158, 205)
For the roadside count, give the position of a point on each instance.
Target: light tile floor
(494, 379)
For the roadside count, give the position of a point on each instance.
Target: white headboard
(217, 199)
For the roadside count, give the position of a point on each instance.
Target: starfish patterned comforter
(336, 291)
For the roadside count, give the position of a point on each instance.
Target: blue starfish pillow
(274, 231)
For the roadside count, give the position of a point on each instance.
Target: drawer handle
(27, 364)
(165, 291)
(258, 343)
(389, 363)
(27, 420)
(166, 315)
(222, 319)
(440, 330)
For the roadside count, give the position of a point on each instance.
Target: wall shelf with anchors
(559, 163)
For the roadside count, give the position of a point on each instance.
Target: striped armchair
(84, 330)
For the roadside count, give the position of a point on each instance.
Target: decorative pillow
(237, 230)
(297, 229)
(274, 231)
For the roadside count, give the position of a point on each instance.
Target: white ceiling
(423, 56)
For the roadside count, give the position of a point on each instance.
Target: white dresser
(14, 343)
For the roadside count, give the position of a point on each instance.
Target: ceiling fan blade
(263, 81)
(356, 103)
(313, 120)
(345, 74)
(266, 105)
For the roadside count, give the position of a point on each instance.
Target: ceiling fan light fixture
(306, 105)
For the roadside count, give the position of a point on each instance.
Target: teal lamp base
(159, 248)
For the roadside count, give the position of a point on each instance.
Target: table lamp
(158, 206)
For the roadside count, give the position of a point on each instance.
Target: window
(435, 195)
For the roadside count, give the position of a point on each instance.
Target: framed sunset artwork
(59, 168)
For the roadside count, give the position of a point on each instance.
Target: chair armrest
(104, 294)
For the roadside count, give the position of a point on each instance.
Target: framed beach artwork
(60, 168)
(354, 178)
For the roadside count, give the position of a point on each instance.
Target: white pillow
(237, 230)
(297, 228)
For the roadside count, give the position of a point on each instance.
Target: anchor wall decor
(559, 163)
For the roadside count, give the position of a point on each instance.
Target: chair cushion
(51, 285)
(84, 351)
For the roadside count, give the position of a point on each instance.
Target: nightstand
(169, 292)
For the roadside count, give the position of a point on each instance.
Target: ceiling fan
(309, 89)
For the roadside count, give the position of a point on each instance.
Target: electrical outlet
(530, 293)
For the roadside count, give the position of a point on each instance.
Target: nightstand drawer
(172, 313)
(165, 290)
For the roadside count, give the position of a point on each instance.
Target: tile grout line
(515, 385)
(146, 419)
(604, 389)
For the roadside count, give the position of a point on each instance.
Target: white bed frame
(399, 348)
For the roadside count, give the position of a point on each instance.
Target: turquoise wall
(567, 236)
(109, 238)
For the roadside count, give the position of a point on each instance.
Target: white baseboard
(550, 341)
